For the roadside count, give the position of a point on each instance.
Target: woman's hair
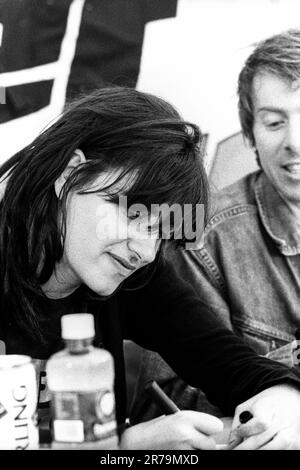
(117, 128)
(278, 55)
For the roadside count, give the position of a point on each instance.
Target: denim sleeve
(167, 316)
(199, 269)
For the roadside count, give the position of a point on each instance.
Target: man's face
(276, 129)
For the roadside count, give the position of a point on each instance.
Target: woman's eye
(274, 124)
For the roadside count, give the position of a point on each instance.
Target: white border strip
(67, 52)
(35, 74)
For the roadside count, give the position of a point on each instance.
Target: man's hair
(117, 128)
(278, 55)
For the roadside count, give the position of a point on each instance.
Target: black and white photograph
(149, 228)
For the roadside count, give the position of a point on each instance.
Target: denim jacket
(248, 268)
(248, 271)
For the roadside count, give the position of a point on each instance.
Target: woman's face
(105, 243)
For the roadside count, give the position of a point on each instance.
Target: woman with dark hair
(83, 228)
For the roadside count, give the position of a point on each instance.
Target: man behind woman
(248, 268)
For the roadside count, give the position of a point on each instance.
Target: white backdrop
(194, 60)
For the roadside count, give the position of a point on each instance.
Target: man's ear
(77, 159)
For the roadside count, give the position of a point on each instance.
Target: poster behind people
(52, 50)
(188, 51)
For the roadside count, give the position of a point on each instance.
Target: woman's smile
(123, 262)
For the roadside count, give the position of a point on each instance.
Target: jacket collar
(276, 217)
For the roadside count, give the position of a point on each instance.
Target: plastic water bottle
(81, 380)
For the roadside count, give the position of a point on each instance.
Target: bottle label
(83, 416)
(18, 402)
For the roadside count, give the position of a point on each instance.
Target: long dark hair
(116, 128)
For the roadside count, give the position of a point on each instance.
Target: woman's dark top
(166, 316)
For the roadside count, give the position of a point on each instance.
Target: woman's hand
(184, 430)
(275, 423)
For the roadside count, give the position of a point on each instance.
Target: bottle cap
(77, 326)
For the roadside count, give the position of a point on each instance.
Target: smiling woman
(102, 245)
(69, 244)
